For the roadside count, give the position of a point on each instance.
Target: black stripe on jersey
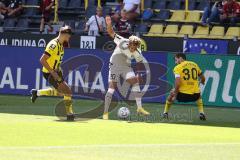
(47, 54)
(58, 45)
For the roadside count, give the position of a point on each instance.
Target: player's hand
(108, 20)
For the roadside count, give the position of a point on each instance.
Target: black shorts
(182, 97)
(52, 81)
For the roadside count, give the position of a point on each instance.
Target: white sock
(138, 95)
(108, 99)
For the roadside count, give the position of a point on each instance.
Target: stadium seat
(174, 5)
(32, 2)
(90, 11)
(191, 4)
(156, 30)
(177, 16)
(107, 11)
(142, 29)
(201, 5)
(217, 32)
(63, 4)
(186, 30)
(160, 4)
(74, 4)
(170, 31)
(9, 24)
(193, 16)
(162, 15)
(232, 32)
(22, 25)
(148, 4)
(79, 27)
(201, 32)
(29, 12)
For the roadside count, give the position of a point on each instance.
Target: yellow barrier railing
(55, 20)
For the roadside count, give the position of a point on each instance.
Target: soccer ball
(123, 113)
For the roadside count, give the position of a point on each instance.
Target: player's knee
(132, 81)
(112, 85)
(111, 90)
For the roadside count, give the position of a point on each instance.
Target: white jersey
(122, 56)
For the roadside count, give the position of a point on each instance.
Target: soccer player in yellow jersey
(187, 75)
(51, 61)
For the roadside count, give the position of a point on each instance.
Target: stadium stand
(155, 30)
(201, 32)
(186, 30)
(217, 32)
(232, 32)
(170, 18)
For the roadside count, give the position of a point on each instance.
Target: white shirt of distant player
(122, 56)
(238, 51)
(93, 28)
(129, 4)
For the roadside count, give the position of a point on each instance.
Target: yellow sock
(47, 92)
(167, 106)
(200, 105)
(68, 104)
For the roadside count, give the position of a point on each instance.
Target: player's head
(134, 43)
(99, 11)
(123, 14)
(65, 33)
(179, 58)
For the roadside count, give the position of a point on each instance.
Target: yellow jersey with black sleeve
(188, 72)
(55, 51)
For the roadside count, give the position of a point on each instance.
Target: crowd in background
(10, 8)
(124, 14)
(14, 9)
(223, 11)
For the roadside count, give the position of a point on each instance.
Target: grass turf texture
(31, 131)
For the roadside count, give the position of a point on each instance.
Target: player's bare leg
(168, 104)
(44, 92)
(138, 95)
(199, 102)
(65, 90)
(108, 98)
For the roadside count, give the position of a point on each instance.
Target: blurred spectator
(3, 9)
(46, 9)
(231, 11)
(117, 12)
(12, 8)
(133, 8)
(96, 24)
(123, 27)
(213, 15)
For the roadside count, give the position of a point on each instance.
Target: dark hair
(181, 55)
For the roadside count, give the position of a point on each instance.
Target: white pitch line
(116, 146)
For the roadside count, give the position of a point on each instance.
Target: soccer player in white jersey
(120, 65)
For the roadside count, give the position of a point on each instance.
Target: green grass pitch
(32, 132)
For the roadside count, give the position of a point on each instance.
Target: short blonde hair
(134, 39)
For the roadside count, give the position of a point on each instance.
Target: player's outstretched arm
(109, 27)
